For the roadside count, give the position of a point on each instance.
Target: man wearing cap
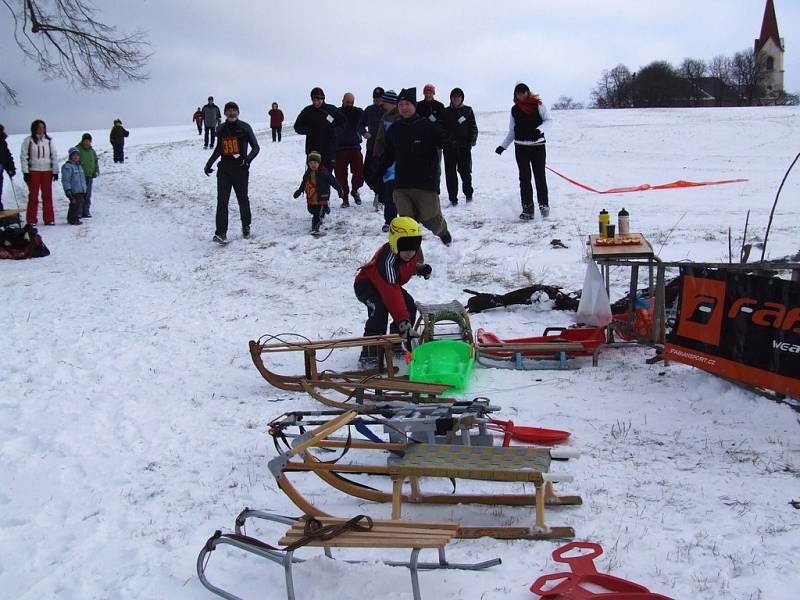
(348, 150)
(211, 119)
(459, 122)
(384, 185)
(90, 168)
(370, 121)
(433, 110)
(411, 144)
(318, 122)
(233, 137)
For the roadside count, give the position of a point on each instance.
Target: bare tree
(749, 71)
(720, 68)
(65, 41)
(692, 70)
(615, 89)
(566, 103)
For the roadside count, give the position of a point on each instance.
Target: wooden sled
(328, 533)
(517, 464)
(358, 387)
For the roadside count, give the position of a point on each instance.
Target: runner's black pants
(531, 159)
(232, 175)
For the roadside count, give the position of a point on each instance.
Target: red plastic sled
(588, 337)
(529, 435)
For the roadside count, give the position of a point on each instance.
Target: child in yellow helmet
(379, 283)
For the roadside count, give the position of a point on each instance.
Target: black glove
(499, 149)
(537, 135)
(26, 177)
(408, 333)
(55, 176)
(424, 270)
(208, 170)
(68, 193)
(12, 172)
(297, 194)
(245, 163)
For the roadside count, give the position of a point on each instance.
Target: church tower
(769, 46)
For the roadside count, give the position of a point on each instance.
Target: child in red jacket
(379, 285)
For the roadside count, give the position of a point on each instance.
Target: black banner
(745, 327)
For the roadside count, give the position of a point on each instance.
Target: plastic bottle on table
(603, 220)
(623, 223)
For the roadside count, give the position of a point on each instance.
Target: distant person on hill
(318, 122)
(117, 139)
(459, 122)
(211, 119)
(233, 137)
(198, 120)
(275, 122)
(39, 161)
(91, 169)
(316, 185)
(73, 180)
(433, 110)
(379, 286)
(348, 150)
(370, 121)
(6, 161)
(529, 120)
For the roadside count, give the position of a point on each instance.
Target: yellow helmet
(407, 229)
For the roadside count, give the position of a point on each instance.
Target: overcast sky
(260, 52)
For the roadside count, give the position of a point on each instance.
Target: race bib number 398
(230, 146)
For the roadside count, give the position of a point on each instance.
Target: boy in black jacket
(459, 122)
(316, 185)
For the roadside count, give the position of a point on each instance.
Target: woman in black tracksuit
(529, 120)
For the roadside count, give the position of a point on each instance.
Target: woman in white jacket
(39, 162)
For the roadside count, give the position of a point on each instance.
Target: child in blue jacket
(74, 181)
(316, 185)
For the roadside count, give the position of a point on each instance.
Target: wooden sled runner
(514, 464)
(327, 533)
(360, 390)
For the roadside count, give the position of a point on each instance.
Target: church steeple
(769, 28)
(769, 49)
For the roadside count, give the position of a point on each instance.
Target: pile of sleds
(385, 438)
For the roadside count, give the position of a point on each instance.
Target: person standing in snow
(459, 122)
(39, 161)
(379, 286)
(370, 121)
(316, 185)
(275, 122)
(198, 120)
(233, 137)
(117, 139)
(433, 110)
(73, 179)
(385, 185)
(527, 125)
(211, 119)
(348, 150)
(91, 169)
(6, 162)
(318, 122)
(412, 144)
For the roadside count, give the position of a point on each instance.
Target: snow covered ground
(132, 421)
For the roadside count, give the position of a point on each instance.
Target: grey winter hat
(73, 151)
(389, 96)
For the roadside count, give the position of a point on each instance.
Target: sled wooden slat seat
(384, 534)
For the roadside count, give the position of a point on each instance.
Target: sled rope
(646, 186)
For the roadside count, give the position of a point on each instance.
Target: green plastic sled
(442, 361)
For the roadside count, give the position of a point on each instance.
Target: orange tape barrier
(646, 186)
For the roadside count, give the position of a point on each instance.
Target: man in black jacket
(412, 143)
(233, 137)
(433, 110)
(6, 161)
(319, 122)
(459, 122)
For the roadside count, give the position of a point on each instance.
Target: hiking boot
(469, 199)
(86, 215)
(220, 238)
(326, 211)
(545, 210)
(385, 228)
(356, 197)
(246, 232)
(526, 216)
(453, 201)
(368, 358)
(446, 238)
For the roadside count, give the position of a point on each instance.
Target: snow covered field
(132, 421)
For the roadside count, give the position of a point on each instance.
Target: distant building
(770, 47)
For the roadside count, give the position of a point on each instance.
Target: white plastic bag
(594, 307)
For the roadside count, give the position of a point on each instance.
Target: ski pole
(14, 190)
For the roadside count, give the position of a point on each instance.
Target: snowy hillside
(132, 421)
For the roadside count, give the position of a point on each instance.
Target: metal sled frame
(450, 312)
(384, 534)
(331, 473)
(372, 385)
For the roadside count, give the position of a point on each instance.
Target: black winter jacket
(412, 143)
(319, 126)
(432, 110)
(460, 125)
(233, 138)
(350, 133)
(6, 158)
(118, 135)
